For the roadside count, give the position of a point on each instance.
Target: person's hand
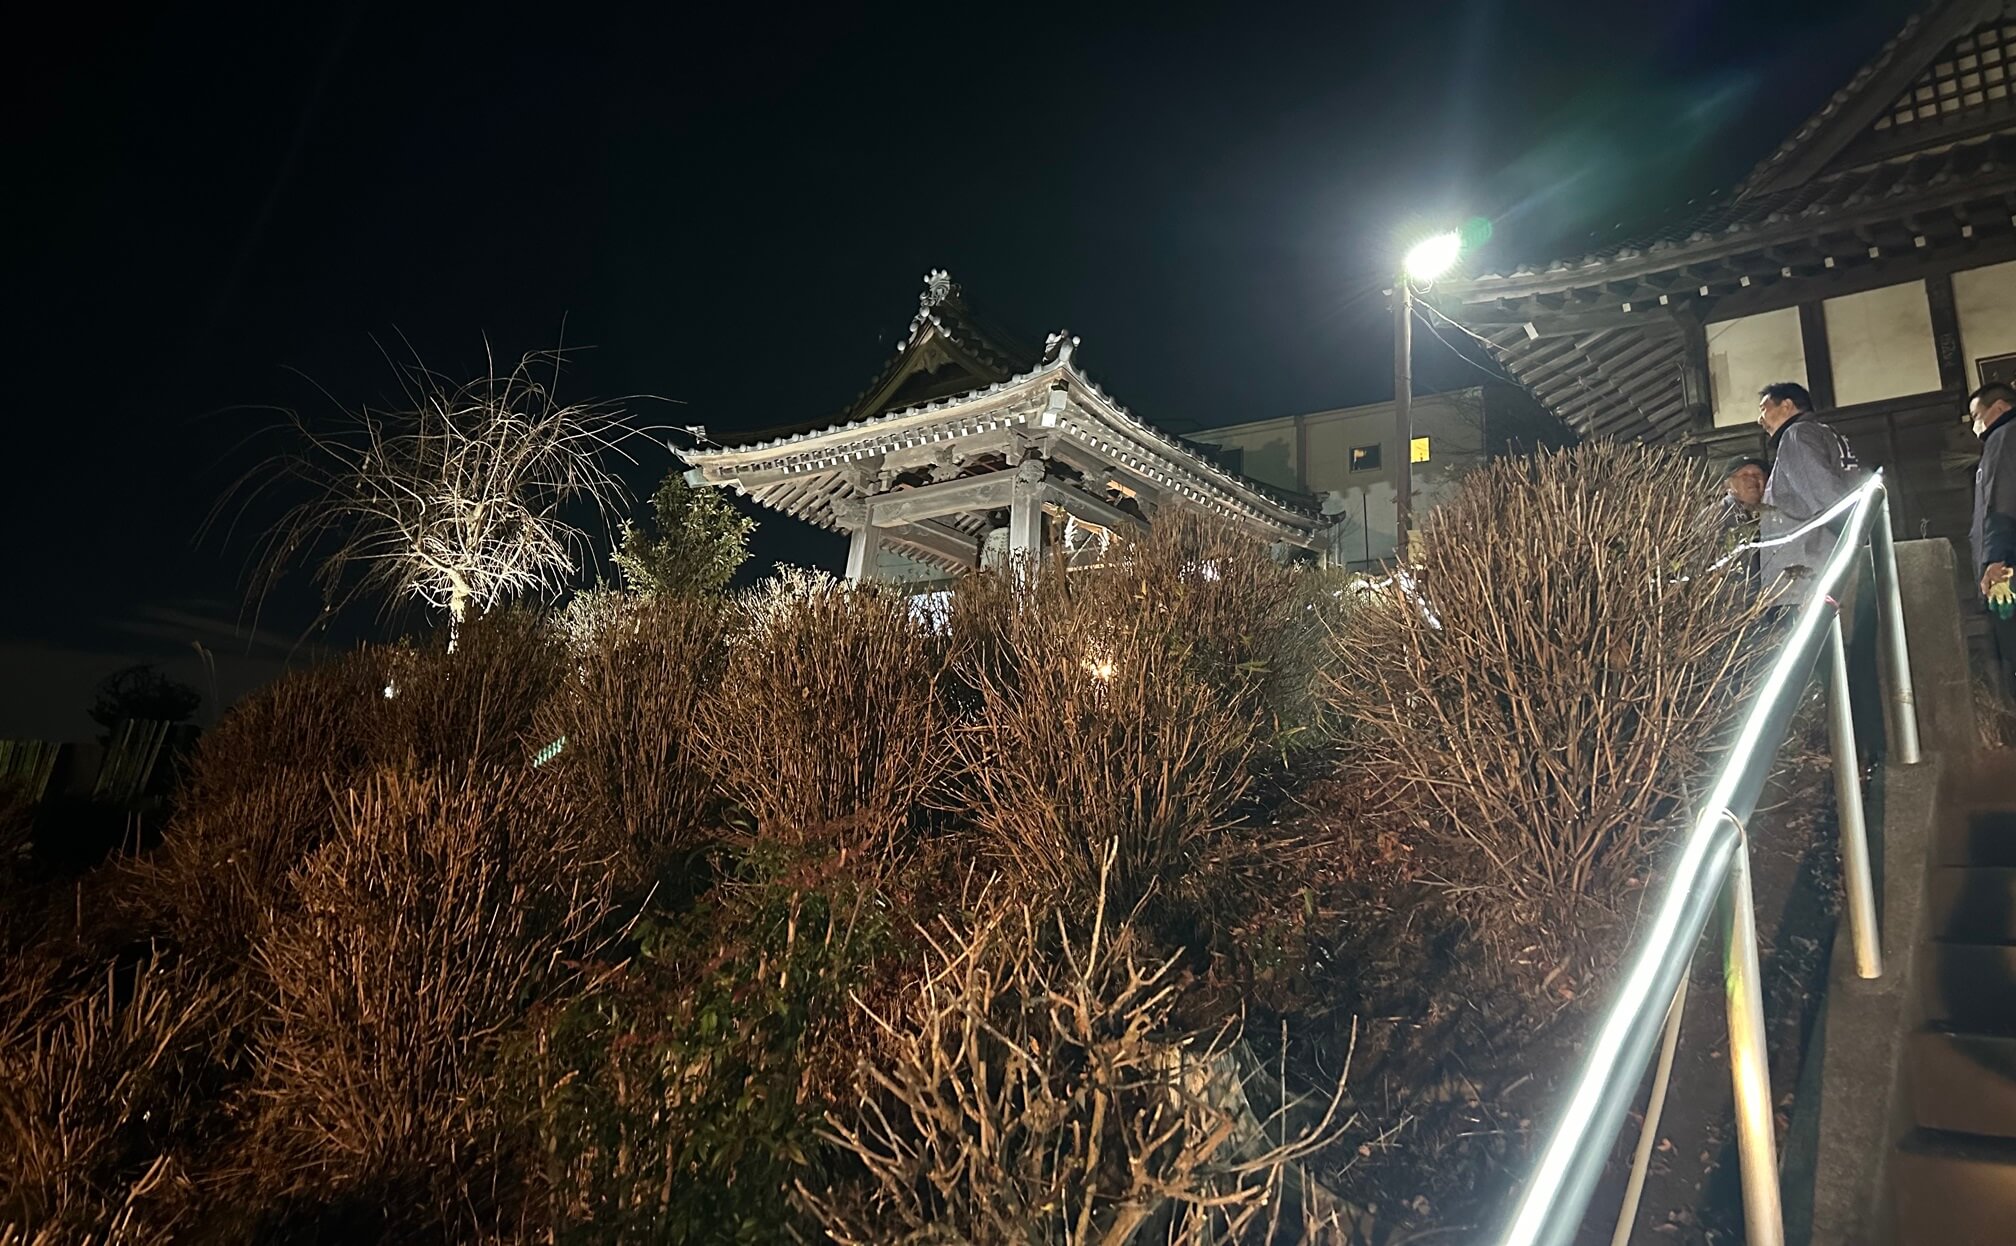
(1998, 585)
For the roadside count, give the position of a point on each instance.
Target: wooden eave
(803, 474)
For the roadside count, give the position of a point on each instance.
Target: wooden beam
(1538, 321)
(1696, 393)
(1082, 504)
(1946, 340)
(1921, 264)
(936, 538)
(1819, 355)
(766, 476)
(1025, 512)
(987, 492)
(861, 550)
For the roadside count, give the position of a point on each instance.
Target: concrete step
(1974, 903)
(1981, 837)
(1972, 987)
(1964, 1083)
(1954, 1191)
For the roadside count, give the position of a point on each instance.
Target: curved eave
(813, 461)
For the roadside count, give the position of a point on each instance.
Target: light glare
(1431, 257)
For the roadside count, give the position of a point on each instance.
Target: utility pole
(1403, 416)
(1426, 261)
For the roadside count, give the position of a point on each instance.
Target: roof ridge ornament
(1058, 347)
(938, 289)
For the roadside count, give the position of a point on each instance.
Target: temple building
(1871, 256)
(970, 449)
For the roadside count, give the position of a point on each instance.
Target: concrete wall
(1324, 454)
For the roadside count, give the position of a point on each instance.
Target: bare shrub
(257, 802)
(1564, 671)
(264, 784)
(222, 868)
(432, 917)
(17, 835)
(1130, 703)
(101, 1088)
(1239, 620)
(830, 709)
(628, 713)
(473, 706)
(315, 720)
(1041, 1096)
(1093, 731)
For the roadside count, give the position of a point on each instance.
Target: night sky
(733, 208)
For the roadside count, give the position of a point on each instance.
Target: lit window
(1365, 458)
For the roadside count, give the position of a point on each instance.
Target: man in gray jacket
(1812, 468)
(1991, 413)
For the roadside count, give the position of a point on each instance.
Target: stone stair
(1954, 1173)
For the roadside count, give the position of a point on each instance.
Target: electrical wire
(1495, 349)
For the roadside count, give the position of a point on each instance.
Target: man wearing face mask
(1991, 413)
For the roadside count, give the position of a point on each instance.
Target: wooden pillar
(1694, 386)
(863, 542)
(1953, 373)
(862, 547)
(1025, 512)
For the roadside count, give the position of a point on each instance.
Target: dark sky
(734, 207)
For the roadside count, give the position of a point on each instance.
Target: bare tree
(457, 496)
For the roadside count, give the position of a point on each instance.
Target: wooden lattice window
(1973, 73)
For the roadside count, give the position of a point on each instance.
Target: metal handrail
(1714, 861)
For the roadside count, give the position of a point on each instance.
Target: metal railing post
(1855, 876)
(1648, 1131)
(1890, 611)
(1750, 1064)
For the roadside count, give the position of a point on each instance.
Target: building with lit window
(1345, 457)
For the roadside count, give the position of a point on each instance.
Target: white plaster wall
(1880, 343)
(1747, 354)
(1985, 299)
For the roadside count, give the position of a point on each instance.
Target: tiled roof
(1902, 182)
(1851, 92)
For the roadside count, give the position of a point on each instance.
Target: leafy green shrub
(678, 1101)
(696, 543)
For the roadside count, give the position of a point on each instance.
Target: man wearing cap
(1743, 480)
(1991, 413)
